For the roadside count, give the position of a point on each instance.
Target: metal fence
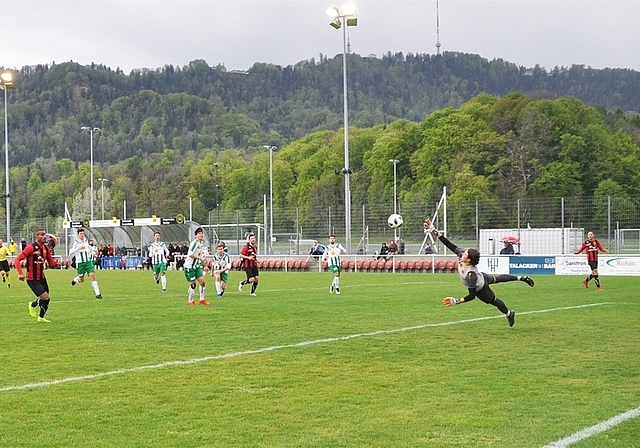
(614, 219)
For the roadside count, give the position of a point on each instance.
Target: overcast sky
(237, 33)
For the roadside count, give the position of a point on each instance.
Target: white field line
(270, 349)
(595, 429)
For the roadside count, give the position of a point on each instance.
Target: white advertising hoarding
(607, 265)
(494, 264)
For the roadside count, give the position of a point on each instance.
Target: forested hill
(199, 107)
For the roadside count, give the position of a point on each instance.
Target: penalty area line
(162, 365)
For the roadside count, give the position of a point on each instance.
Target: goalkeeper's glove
(450, 301)
(430, 228)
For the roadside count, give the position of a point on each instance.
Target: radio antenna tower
(437, 29)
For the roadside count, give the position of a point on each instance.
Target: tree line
(198, 107)
(490, 149)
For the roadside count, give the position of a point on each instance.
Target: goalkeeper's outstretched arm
(452, 247)
(438, 235)
(451, 301)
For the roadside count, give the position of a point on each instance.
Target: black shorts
(251, 271)
(593, 264)
(38, 286)
(4, 266)
(486, 294)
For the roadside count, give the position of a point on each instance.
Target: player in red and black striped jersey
(592, 246)
(249, 256)
(36, 255)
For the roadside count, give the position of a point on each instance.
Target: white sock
(191, 294)
(337, 281)
(218, 288)
(163, 280)
(96, 289)
(202, 292)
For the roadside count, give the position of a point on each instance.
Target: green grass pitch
(384, 364)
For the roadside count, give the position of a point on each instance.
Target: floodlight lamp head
(352, 21)
(336, 23)
(6, 81)
(333, 12)
(349, 9)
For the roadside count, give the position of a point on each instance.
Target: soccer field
(384, 364)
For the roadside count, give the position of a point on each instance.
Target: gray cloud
(236, 33)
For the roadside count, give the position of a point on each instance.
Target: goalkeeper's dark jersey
(464, 269)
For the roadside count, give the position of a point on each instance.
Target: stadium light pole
(6, 83)
(395, 194)
(215, 165)
(91, 131)
(102, 180)
(271, 149)
(347, 16)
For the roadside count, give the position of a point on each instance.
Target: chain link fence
(614, 219)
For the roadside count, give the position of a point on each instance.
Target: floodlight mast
(91, 130)
(395, 195)
(6, 83)
(347, 16)
(269, 247)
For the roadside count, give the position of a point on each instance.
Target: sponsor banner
(494, 264)
(572, 266)
(607, 265)
(519, 265)
(619, 265)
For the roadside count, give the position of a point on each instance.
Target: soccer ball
(395, 221)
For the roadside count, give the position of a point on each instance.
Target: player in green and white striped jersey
(85, 261)
(194, 267)
(158, 252)
(332, 254)
(221, 267)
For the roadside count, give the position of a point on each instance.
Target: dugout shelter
(133, 234)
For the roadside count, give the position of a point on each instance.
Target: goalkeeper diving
(477, 282)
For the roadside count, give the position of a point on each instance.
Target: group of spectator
(105, 250)
(387, 251)
(177, 254)
(317, 249)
